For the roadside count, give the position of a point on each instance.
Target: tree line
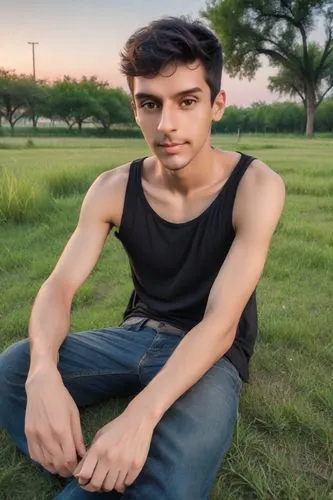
(280, 117)
(70, 100)
(76, 102)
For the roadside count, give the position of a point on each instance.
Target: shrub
(66, 183)
(20, 200)
(5, 145)
(30, 144)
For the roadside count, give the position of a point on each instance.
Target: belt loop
(142, 323)
(135, 323)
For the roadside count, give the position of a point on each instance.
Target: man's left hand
(117, 454)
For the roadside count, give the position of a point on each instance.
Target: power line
(33, 58)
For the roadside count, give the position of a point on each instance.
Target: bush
(30, 143)
(5, 145)
(66, 183)
(20, 200)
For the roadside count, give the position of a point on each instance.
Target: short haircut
(173, 40)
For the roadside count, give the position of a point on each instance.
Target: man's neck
(199, 173)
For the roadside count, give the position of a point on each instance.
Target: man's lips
(170, 144)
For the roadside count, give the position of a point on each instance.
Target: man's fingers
(110, 480)
(54, 455)
(96, 481)
(77, 434)
(79, 467)
(57, 467)
(120, 484)
(132, 475)
(87, 468)
(69, 453)
(37, 454)
(47, 459)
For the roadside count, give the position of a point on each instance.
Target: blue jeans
(189, 442)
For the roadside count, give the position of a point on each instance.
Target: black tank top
(174, 265)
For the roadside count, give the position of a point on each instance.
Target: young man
(196, 223)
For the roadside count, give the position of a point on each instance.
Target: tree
(37, 94)
(113, 104)
(324, 117)
(285, 117)
(114, 107)
(20, 96)
(286, 82)
(13, 96)
(259, 116)
(249, 29)
(71, 101)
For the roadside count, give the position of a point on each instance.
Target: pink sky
(79, 37)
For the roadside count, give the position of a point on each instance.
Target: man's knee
(14, 366)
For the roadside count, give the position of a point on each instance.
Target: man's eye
(149, 105)
(187, 103)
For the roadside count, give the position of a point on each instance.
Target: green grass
(283, 444)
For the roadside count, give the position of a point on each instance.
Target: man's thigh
(92, 364)
(191, 440)
(99, 364)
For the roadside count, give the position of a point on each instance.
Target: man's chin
(177, 168)
(173, 163)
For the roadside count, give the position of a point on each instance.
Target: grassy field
(283, 445)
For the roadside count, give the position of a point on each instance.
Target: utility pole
(33, 58)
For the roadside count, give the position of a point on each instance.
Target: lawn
(283, 444)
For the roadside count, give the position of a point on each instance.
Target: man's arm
(258, 207)
(50, 317)
(52, 420)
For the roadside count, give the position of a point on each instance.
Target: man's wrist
(139, 406)
(40, 374)
(40, 360)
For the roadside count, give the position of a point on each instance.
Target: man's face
(174, 112)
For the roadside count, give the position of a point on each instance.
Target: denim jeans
(188, 443)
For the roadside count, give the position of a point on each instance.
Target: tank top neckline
(196, 219)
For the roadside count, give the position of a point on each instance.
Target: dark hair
(173, 40)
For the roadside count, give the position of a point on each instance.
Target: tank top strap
(243, 164)
(134, 182)
(135, 173)
(238, 172)
(131, 195)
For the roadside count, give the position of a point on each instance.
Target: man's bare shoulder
(105, 197)
(257, 176)
(260, 184)
(262, 172)
(113, 179)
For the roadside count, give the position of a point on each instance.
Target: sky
(84, 37)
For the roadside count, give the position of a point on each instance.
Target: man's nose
(167, 121)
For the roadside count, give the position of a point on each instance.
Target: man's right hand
(52, 423)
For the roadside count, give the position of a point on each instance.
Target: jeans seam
(145, 355)
(233, 370)
(235, 377)
(93, 374)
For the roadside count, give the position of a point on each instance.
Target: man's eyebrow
(143, 95)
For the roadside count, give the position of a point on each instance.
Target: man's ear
(219, 106)
(133, 106)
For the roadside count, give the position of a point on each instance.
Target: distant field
(283, 445)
